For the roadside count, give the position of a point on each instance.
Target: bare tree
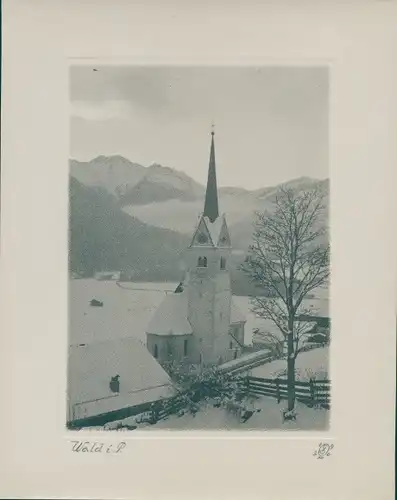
(288, 259)
(271, 341)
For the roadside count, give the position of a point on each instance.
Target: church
(200, 324)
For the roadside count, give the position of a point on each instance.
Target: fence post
(278, 395)
(312, 391)
(247, 382)
(327, 389)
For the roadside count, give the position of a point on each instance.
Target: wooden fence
(168, 407)
(312, 393)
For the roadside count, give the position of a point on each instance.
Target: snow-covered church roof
(170, 317)
(214, 228)
(215, 233)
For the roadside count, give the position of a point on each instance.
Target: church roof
(171, 316)
(213, 231)
(236, 316)
(211, 228)
(214, 228)
(211, 209)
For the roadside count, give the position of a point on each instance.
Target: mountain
(241, 231)
(166, 198)
(161, 184)
(115, 174)
(134, 184)
(103, 237)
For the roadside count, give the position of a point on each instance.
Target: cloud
(146, 88)
(100, 111)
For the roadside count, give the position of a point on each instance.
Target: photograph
(199, 248)
(189, 194)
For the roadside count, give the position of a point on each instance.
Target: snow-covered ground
(128, 308)
(314, 362)
(268, 418)
(318, 304)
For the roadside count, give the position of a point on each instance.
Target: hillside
(240, 206)
(103, 237)
(241, 230)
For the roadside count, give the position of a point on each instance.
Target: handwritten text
(97, 447)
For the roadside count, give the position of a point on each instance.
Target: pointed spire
(211, 209)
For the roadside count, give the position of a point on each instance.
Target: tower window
(156, 351)
(185, 347)
(223, 263)
(202, 262)
(231, 345)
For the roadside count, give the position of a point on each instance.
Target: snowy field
(128, 308)
(267, 417)
(315, 362)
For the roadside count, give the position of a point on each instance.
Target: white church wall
(170, 348)
(209, 302)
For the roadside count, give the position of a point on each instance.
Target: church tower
(208, 278)
(200, 324)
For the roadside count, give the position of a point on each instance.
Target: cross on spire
(211, 209)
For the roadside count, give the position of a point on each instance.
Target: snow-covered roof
(171, 316)
(127, 309)
(236, 316)
(91, 367)
(214, 228)
(247, 359)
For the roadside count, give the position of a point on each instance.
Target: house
(113, 379)
(200, 323)
(319, 311)
(108, 275)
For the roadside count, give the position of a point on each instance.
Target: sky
(271, 123)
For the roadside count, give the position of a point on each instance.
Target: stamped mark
(97, 447)
(323, 450)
